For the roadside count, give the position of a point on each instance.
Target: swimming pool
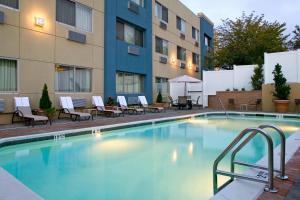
(164, 161)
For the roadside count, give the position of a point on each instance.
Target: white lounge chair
(23, 110)
(123, 105)
(68, 108)
(145, 105)
(97, 101)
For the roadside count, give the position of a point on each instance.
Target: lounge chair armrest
(20, 113)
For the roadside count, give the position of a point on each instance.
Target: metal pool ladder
(223, 107)
(242, 140)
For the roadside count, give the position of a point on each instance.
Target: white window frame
(74, 71)
(18, 77)
(75, 27)
(160, 7)
(197, 34)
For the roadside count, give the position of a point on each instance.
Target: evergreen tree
(45, 102)
(295, 41)
(282, 89)
(257, 79)
(159, 98)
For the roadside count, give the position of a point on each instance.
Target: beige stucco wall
(38, 49)
(267, 97)
(172, 34)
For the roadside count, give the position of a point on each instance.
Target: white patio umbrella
(185, 79)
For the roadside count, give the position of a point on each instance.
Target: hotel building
(95, 47)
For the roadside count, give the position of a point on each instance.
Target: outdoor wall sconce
(173, 61)
(190, 66)
(39, 21)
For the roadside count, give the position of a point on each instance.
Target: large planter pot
(281, 106)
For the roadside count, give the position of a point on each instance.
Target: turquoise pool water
(169, 161)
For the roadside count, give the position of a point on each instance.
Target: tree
(45, 102)
(282, 89)
(257, 79)
(295, 41)
(244, 40)
(159, 98)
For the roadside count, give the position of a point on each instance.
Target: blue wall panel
(116, 52)
(206, 28)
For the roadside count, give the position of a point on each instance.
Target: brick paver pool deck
(288, 189)
(66, 124)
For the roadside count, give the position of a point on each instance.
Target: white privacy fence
(238, 78)
(290, 62)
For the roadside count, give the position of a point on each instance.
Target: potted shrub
(110, 103)
(282, 90)
(159, 98)
(46, 104)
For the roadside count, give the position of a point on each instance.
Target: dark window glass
(194, 33)
(10, 3)
(161, 46)
(165, 14)
(195, 59)
(181, 53)
(139, 40)
(65, 12)
(120, 31)
(130, 34)
(178, 22)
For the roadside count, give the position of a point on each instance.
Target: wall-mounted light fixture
(190, 65)
(39, 21)
(173, 60)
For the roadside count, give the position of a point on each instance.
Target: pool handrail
(281, 172)
(270, 181)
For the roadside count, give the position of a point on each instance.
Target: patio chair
(68, 108)
(23, 110)
(97, 101)
(145, 105)
(173, 103)
(124, 107)
(182, 102)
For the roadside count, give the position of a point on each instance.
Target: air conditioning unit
(182, 65)
(163, 25)
(182, 36)
(77, 37)
(163, 60)
(196, 44)
(133, 7)
(134, 50)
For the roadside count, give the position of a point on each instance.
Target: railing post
(282, 175)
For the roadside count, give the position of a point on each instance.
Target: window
(8, 75)
(162, 85)
(161, 12)
(129, 83)
(130, 34)
(196, 59)
(181, 53)
(72, 79)
(10, 3)
(180, 24)
(74, 14)
(139, 2)
(207, 41)
(161, 46)
(195, 33)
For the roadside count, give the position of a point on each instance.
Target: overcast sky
(281, 10)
